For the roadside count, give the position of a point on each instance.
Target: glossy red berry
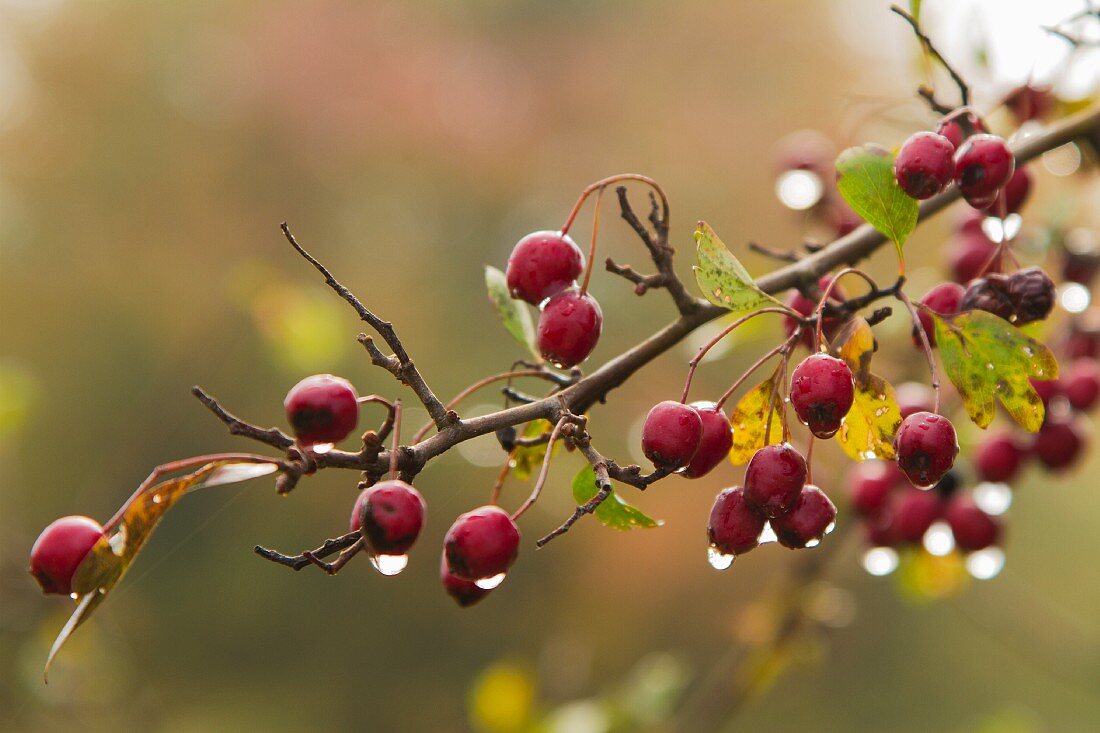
(322, 409)
(953, 131)
(926, 446)
(983, 165)
(464, 592)
(569, 327)
(1081, 384)
(671, 434)
(944, 299)
(774, 479)
(59, 550)
(971, 255)
(924, 164)
(1014, 194)
(973, 529)
(998, 458)
(1058, 444)
(914, 397)
(390, 515)
(870, 484)
(913, 513)
(542, 264)
(734, 527)
(714, 443)
(481, 544)
(811, 518)
(822, 391)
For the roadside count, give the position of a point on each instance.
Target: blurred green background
(148, 152)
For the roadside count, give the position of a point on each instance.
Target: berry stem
(396, 438)
(820, 309)
(387, 424)
(782, 348)
(498, 485)
(592, 247)
(544, 472)
(810, 459)
(605, 182)
(924, 343)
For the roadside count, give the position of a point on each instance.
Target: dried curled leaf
(613, 512)
(721, 276)
(111, 557)
(513, 313)
(527, 459)
(989, 359)
(868, 429)
(865, 178)
(750, 420)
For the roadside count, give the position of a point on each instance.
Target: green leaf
(613, 512)
(721, 276)
(865, 178)
(989, 359)
(750, 419)
(868, 429)
(527, 459)
(513, 313)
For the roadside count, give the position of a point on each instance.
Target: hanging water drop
(767, 535)
(322, 448)
(491, 582)
(719, 560)
(389, 564)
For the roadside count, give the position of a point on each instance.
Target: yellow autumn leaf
(749, 421)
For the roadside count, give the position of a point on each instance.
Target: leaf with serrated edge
(869, 427)
(989, 359)
(613, 512)
(749, 421)
(528, 458)
(112, 555)
(721, 276)
(513, 313)
(865, 178)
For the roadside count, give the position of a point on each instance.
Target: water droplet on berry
(767, 534)
(718, 559)
(993, 498)
(985, 564)
(813, 542)
(491, 582)
(322, 448)
(389, 564)
(830, 528)
(879, 561)
(939, 540)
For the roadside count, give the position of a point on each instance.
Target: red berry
(1014, 194)
(482, 543)
(671, 434)
(774, 478)
(59, 550)
(998, 458)
(734, 527)
(807, 150)
(464, 592)
(1030, 103)
(1082, 384)
(973, 529)
(799, 303)
(914, 397)
(390, 515)
(542, 264)
(1082, 343)
(569, 327)
(811, 518)
(924, 164)
(822, 391)
(926, 446)
(715, 441)
(944, 299)
(1047, 390)
(913, 513)
(879, 529)
(322, 409)
(983, 165)
(952, 130)
(971, 255)
(1058, 444)
(870, 484)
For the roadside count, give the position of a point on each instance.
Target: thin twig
(297, 562)
(964, 90)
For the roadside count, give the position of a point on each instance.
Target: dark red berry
(1030, 102)
(870, 484)
(811, 518)
(734, 527)
(569, 327)
(973, 529)
(913, 513)
(944, 299)
(59, 550)
(972, 255)
(841, 217)
(998, 458)
(671, 434)
(322, 409)
(924, 164)
(1014, 194)
(464, 592)
(953, 131)
(822, 391)
(1082, 384)
(715, 441)
(482, 543)
(542, 264)
(390, 515)
(983, 165)
(926, 446)
(800, 304)
(914, 397)
(879, 529)
(774, 478)
(1083, 343)
(1032, 293)
(1057, 444)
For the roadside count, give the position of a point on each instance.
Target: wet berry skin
(59, 550)
(481, 543)
(1057, 445)
(913, 513)
(944, 299)
(569, 327)
(390, 515)
(983, 165)
(322, 409)
(714, 443)
(671, 434)
(952, 130)
(822, 391)
(734, 527)
(924, 164)
(464, 592)
(998, 458)
(973, 529)
(774, 479)
(543, 264)
(812, 515)
(926, 446)
(1081, 385)
(870, 484)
